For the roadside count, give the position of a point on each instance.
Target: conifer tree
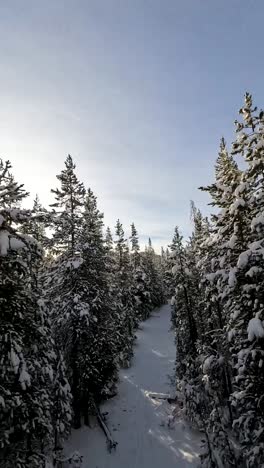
(184, 319)
(37, 223)
(26, 346)
(245, 324)
(127, 311)
(140, 292)
(135, 247)
(154, 280)
(64, 287)
(98, 360)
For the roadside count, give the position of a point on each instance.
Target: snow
(243, 259)
(4, 242)
(231, 334)
(14, 360)
(255, 329)
(138, 422)
(237, 204)
(16, 244)
(207, 363)
(24, 378)
(232, 242)
(232, 278)
(241, 188)
(253, 271)
(76, 263)
(257, 221)
(173, 301)
(7, 242)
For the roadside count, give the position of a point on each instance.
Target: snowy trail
(135, 419)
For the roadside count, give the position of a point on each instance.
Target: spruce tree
(64, 288)
(27, 354)
(125, 286)
(98, 344)
(141, 296)
(245, 324)
(135, 247)
(184, 318)
(154, 280)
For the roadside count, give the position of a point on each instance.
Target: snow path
(135, 419)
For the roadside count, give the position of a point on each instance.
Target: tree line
(71, 297)
(217, 280)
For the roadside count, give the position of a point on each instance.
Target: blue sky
(139, 92)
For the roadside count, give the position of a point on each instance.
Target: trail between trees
(137, 421)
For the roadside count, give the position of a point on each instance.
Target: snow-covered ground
(137, 421)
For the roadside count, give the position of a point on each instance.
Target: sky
(139, 92)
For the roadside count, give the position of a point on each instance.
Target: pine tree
(154, 280)
(69, 201)
(184, 319)
(37, 223)
(245, 325)
(62, 399)
(98, 344)
(135, 247)
(64, 287)
(109, 239)
(25, 338)
(125, 286)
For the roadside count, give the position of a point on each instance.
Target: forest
(73, 295)
(218, 303)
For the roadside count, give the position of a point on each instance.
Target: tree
(150, 265)
(36, 224)
(69, 201)
(99, 343)
(64, 287)
(125, 293)
(135, 247)
(26, 347)
(246, 331)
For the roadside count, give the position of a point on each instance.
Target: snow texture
(4, 242)
(258, 221)
(138, 422)
(243, 259)
(9, 243)
(76, 263)
(232, 278)
(173, 301)
(255, 329)
(207, 364)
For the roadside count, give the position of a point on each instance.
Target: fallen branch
(111, 443)
(163, 396)
(159, 396)
(75, 461)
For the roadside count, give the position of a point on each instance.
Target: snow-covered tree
(246, 310)
(124, 278)
(151, 266)
(37, 223)
(135, 249)
(26, 347)
(98, 344)
(63, 285)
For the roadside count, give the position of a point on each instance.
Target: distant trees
(71, 297)
(218, 304)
